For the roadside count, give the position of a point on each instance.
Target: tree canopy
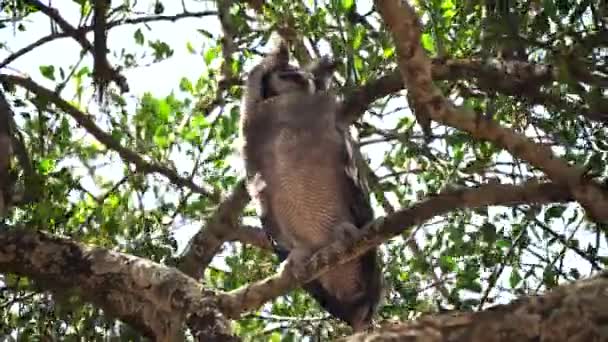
(123, 212)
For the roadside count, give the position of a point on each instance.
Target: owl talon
(297, 260)
(347, 231)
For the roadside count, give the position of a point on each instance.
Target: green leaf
(161, 50)
(447, 263)
(199, 121)
(428, 42)
(388, 52)
(555, 211)
(514, 278)
(358, 63)
(190, 48)
(358, 39)
(48, 71)
(211, 54)
(347, 4)
(502, 243)
(83, 71)
(163, 110)
(275, 337)
(185, 85)
(139, 37)
(45, 166)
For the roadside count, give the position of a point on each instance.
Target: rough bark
(576, 312)
(153, 298)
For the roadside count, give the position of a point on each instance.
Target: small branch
(286, 31)
(229, 32)
(80, 37)
(205, 244)
(254, 295)
(106, 139)
(591, 259)
(415, 68)
(252, 236)
(84, 29)
(102, 71)
(497, 272)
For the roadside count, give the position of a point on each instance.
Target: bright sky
(159, 79)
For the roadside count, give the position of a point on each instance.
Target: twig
(80, 37)
(112, 24)
(415, 68)
(85, 121)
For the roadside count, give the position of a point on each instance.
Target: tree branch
(106, 139)
(286, 31)
(254, 295)
(415, 68)
(229, 33)
(205, 244)
(16, 145)
(572, 312)
(514, 78)
(151, 297)
(80, 37)
(84, 29)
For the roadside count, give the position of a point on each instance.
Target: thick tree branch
(514, 78)
(415, 68)
(102, 71)
(106, 139)
(254, 295)
(569, 313)
(153, 298)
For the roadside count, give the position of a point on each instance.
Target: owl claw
(347, 231)
(297, 260)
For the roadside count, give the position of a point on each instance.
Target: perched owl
(301, 171)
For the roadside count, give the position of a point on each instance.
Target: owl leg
(347, 231)
(296, 262)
